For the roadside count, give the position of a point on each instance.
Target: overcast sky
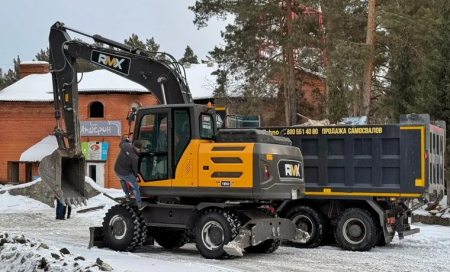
(26, 25)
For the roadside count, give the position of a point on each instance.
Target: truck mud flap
(402, 234)
(255, 232)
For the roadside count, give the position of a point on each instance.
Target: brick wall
(33, 67)
(116, 107)
(23, 124)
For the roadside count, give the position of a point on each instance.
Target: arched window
(96, 110)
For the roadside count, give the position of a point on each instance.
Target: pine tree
(43, 55)
(150, 46)
(12, 76)
(256, 24)
(411, 39)
(189, 56)
(2, 82)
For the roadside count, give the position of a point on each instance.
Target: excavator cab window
(206, 126)
(154, 152)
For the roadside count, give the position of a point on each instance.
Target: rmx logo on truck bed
(289, 169)
(110, 61)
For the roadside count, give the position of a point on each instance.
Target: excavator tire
(268, 246)
(124, 228)
(214, 223)
(170, 239)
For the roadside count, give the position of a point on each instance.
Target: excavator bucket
(64, 173)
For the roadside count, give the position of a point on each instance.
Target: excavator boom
(64, 170)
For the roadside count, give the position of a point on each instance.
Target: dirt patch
(430, 220)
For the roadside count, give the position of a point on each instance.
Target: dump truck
(363, 181)
(210, 186)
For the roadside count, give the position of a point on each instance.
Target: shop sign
(100, 128)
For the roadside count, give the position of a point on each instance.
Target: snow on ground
(11, 204)
(422, 252)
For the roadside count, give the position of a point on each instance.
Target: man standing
(126, 169)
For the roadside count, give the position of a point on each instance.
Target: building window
(96, 110)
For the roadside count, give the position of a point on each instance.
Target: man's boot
(142, 206)
(127, 198)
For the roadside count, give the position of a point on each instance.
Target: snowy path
(426, 251)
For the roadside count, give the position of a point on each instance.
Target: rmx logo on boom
(292, 170)
(110, 61)
(119, 64)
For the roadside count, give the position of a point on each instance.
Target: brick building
(27, 118)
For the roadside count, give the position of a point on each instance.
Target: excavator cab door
(152, 128)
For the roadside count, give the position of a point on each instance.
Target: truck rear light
(391, 220)
(266, 171)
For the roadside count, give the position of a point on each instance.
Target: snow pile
(111, 192)
(23, 185)
(10, 203)
(20, 254)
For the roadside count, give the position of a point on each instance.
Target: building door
(96, 171)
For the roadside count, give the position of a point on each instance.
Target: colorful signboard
(95, 151)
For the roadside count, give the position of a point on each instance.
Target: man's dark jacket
(127, 161)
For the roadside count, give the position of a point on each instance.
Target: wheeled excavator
(201, 185)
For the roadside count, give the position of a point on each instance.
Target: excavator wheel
(214, 229)
(170, 239)
(124, 228)
(268, 246)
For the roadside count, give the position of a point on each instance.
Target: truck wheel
(356, 230)
(268, 246)
(170, 239)
(214, 229)
(310, 220)
(124, 228)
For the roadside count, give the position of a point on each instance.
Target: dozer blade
(64, 173)
(96, 237)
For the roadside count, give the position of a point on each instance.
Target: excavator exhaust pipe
(64, 173)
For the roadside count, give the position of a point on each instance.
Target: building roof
(39, 150)
(38, 87)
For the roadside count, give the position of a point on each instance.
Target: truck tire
(356, 230)
(124, 228)
(268, 246)
(312, 221)
(214, 229)
(170, 239)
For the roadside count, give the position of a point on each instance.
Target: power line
(7, 64)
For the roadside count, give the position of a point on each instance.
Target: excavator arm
(63, 170)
